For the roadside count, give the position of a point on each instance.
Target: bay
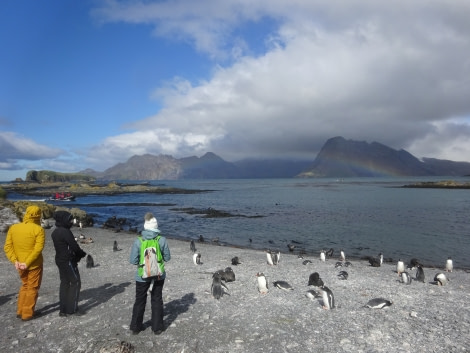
(363, 216)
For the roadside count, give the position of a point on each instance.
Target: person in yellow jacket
(23, 247)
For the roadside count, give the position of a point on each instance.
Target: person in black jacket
(67, 255)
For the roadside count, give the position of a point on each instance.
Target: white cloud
(392, 72)
(14, 146)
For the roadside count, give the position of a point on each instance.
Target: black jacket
(66, 247)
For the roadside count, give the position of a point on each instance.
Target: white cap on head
(151, 224)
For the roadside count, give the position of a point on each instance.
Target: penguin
(262, 283)
(378, 303)
(413, 263)
(405, 278)
(400, 267)
(342, 255)
(192, 246)
(315, 280)
(115, 246)
(419, 274)
(283, 285)
(441, 279)
(269, 257)
(322, 255)
(313, 294)
(197, 259)
(343, 275)
(306, 262)
(201, 239)
(236, 261)
(449, 265)
(89, 261)
(217, 288)
(291, 247)
(276, 257)
(338, 264)
(348, 264)
(229, 275)
(374, 262)
(328, 298)
(330, 252)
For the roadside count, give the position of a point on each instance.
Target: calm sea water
(363, 216)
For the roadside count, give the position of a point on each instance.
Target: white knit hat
(150, 223)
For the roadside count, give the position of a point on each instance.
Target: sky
(91, 83)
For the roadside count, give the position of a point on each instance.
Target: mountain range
(338, 158)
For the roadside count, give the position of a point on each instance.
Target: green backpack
(151, 261)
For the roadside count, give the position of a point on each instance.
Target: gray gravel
(423, 318)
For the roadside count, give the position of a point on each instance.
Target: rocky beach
(424, 317)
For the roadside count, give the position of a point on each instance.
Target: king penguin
(328, 298)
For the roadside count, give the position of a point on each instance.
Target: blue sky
(88, 84)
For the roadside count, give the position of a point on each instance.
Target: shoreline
(423, 317)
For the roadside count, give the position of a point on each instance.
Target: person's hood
(63, 219)
(149, 234)
(33, 215)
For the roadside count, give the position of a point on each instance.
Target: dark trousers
(70, 285)
(156, 302)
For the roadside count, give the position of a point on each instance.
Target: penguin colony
(322, 292)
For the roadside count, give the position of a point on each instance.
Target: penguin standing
(330, 252)
(262, 283)
(115, 246)
(405, 278)
(192, 246)
(269, 257)
(322, 256)
(89, 261)
(328, 298)
(197, 259)
(400, 267)
(342, 255)
(276, 257)
(449, 264)
(419, 274)
(217, 288)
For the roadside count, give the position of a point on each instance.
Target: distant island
(447, 184)
(338, 158)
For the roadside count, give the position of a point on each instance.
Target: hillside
(339, 158)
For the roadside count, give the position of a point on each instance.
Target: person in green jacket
(23, 247)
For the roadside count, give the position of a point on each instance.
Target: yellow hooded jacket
(25, 241)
